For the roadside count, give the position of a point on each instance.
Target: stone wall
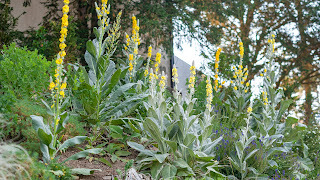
(33, 14)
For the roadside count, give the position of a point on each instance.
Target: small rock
(107, 177)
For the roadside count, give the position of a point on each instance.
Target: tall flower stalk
(146, 71)
(132, 45)
(192, 80)
(209, 93)
(158, 61)
(240, 75)
(59, 85)
(216, 68)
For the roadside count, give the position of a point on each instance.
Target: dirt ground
(107, 172)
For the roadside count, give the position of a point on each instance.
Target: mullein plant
(273, 130)
(241, 157)
(146, 71)
(131, 49)
(176, 133)
(241, 90)
(100, 91)
(50, 139)
(217, 86)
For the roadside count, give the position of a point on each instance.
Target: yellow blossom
(59, 61)
(249, 110)
(241, 50)
(158, 57)
(62, 46)
(235, 88)
(261, 74)
(62, 93)
(174, 72)
(52, 85)
(64, 85)
(65, 9)
(62, 53)
(247, 84)
(149, 51)
(130, 57)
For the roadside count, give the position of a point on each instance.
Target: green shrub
(23, 72)
(312, 140)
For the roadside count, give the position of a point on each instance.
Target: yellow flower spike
(135, 51)
(158, 57)
(66, 1)
(192, 68)
(246, 74)
(209, 93)
(130, 57)
(174, 74)
(216, 76)
(145, 72)
(149, 51)
(162, 82)
(241, 50)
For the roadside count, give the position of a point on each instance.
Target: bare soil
(106, 173)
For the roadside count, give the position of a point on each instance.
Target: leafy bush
(23, 72)
(312, 140)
